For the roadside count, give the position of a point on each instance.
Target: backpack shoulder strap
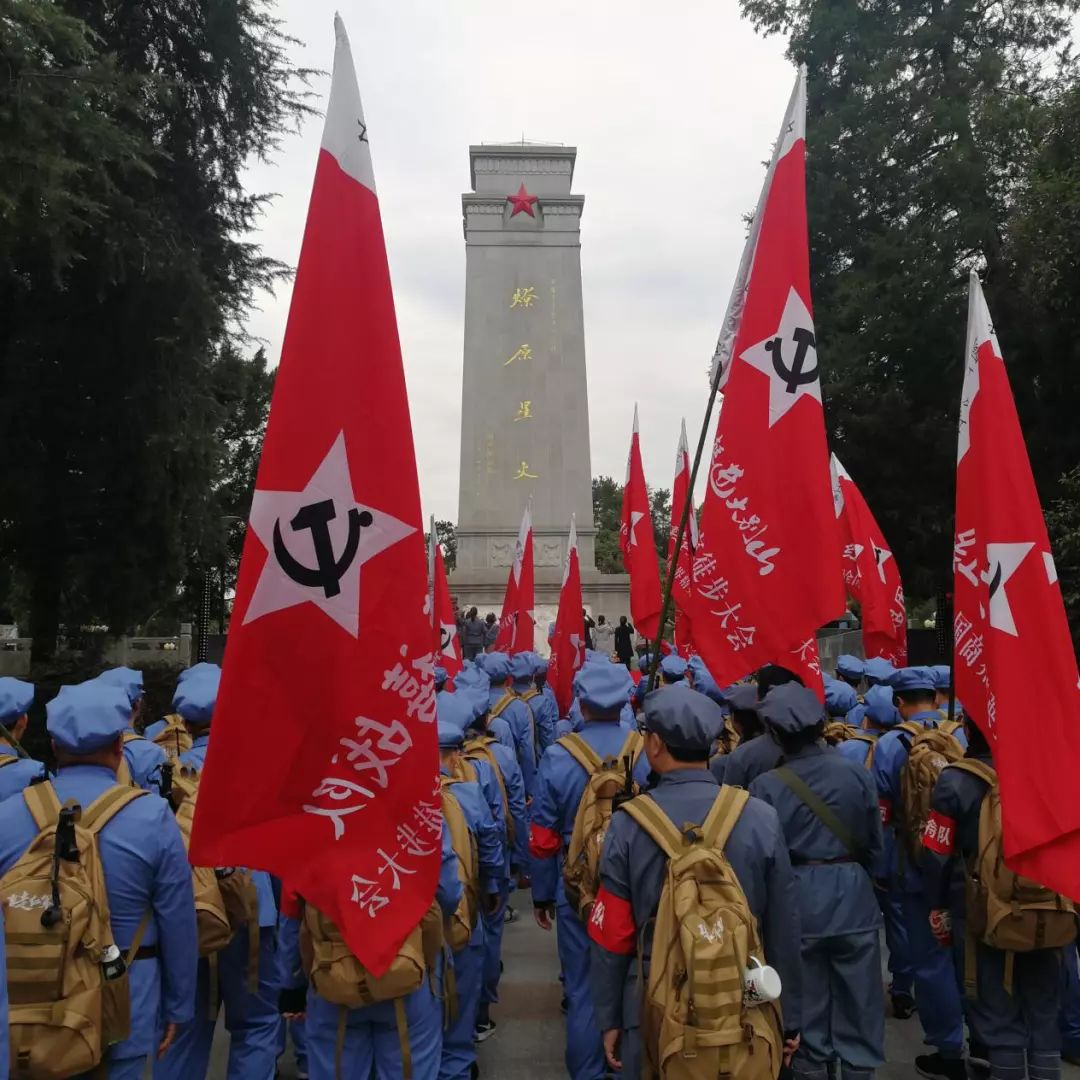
(42, 802)
(986, 773)
(107, 805)
(818, 806)
(581, 752)
(503, 703)
(132, 736)
(645, 811)
(911, 728)
(7, 759)
(632, 747)
(529, 694)
(723, 815)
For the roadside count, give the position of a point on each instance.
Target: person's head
(622, 620)
(86, 723)
(772, 675)
(793, 716)
(881, 712)
(540, 672)
(196, 698)
(840, 697)
(450, 743)
(522, 665)
(673, 668)
(850, 669)
(878, 670)
(16, 697)
(496, 665)
(602, 689)
(978, 744)
(601, 620)
(681, 726)
(700, 678)
(913, 691)
(490, 618)
(131, 682)
(942, 683)
(473, 613)
(742, 699)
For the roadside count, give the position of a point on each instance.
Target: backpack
(839, 731)
(929, 751)
(64, 1013)
(694, 1022)
(607, 779)
(479, 749)
(123, 771)
(174, 738)
(460, 925)
(1004, 910)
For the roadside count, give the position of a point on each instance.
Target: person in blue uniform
(144, 758)
(673, 669)
(851, 669)
(1018, 1024)
(840, 698)
(5, 1049)
(937, 992)
(522, 670)
(828, 811)
(680, 727)
(16, 769)
(545, 710)
(506, 706)
(741, 702)
(758, 753)
(601, 691)
(459, 1046)
(147, 877)
(878, 671)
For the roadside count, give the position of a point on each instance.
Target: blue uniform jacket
(547, 706)
(144, 760)
(506, 759)
(519, 718)
(489, 839)
(20, 773)
(837, 897)
(146, 868)
(632, 873)
(750, 759)
(5, 1049)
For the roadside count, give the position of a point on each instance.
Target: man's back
(750, 759)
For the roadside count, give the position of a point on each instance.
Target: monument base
(601, 594)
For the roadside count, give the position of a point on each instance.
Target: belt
(146, 952)
(823, 862)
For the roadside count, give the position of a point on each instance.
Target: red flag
(680, 588)
(870, 572)
(329, 660)
(638, 544)
(444, 623)
(568, 641)
(517, 628)
(1011, 632)
(767, 569)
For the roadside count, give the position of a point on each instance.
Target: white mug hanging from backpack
(761, 983)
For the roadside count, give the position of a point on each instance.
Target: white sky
(673, 111)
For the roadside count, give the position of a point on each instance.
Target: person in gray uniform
(759, 753)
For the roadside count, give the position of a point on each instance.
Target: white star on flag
(1003, 560)
(635, 517)
(356, 533)
(881, 557)
(776, 357)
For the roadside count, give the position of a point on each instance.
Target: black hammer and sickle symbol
(329, 570)
(794, 376)
(994, 581)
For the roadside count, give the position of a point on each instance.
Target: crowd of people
(724, 868)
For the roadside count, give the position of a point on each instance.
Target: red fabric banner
(681, 585)
(447, 641)
(568, 641)
(638, 544)
(517, 628)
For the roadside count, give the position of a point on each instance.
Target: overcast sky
(673, 109)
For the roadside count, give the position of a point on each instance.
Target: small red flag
(324, 755)
(517, 628)
(1011, 632)
(444, 622)
(680, 588)
(568, 641)
(767, 568)
(638, 544)
(870, 572)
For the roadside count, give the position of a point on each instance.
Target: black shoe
(903, 1006)
(484, 1030)
(1070, 1059)
(937, 1067)
(510, 915)
(474, 1071)
(564, 1005)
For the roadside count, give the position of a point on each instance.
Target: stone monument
(525, 412)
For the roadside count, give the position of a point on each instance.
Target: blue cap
(840, 698)
(88, 716)
(128, 679)
(942, 676)
(551, 631)
(521, 666)
(912, 678)
(791, 708)
(742, 696)
(540, 666)
(673, 667)
(472, 678)
(455, 710)
(605, 687)
(16, 697)
(442, 677)
(644, 662)
(196, 697)
(683, 718)
(496, 665)
(878, 670)
(450, 736)
(201, 668)
(880, 707)
(851, 667)
(594, 657)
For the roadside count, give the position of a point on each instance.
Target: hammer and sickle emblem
(796, 375)
(329, 570)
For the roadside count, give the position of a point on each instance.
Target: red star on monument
(522, 202)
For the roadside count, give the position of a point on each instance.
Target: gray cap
(683, 718)
(791, 708)
(742, 696)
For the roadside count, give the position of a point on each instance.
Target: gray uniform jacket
(750, 759)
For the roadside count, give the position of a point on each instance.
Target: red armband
(611, 924)
(885, 808)
(544, 843)
(290, 904)
(940, 833)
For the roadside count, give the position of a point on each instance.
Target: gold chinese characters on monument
(524, 474)
(524, 411)
(523, 297)
(524, 352)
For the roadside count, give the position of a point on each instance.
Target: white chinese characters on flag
(1010, 627)
(516, 626)
(767, 569)
(329, 662)
(681, 585)
(568, 641)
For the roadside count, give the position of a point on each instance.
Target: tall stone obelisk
(525, 412)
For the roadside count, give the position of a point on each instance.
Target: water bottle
(112, 963)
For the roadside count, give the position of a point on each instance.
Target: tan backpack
(838, 731)
(174, 738)
(460, 925)
(479, 749)
(694, 1022)
(1004, 910)
(123, 771)
(607, 779)
(64, 1013)
(929, 751)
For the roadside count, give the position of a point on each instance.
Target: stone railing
(174, 651)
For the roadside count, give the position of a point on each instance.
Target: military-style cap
(88, 716)
(603, 686)
(942, 676)
(880, 707)
(472, 678)
(683, 718)
(912, 678)
(840, 698)
(496, 665)
(791, 708)
(456, 710)
(704, 683)
(201, 668)
(521, 666)
(594, 657)
(450, 736)
(878, 670)
(644, 662)
(742, 697)
(128, 679)
(442, 677)
(16, 697)
(195, 698)
(540, 666)
(851, 667)
(673, 667)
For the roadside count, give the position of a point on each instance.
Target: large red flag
(568, 641)
(870, 572)
(1011, 632)
(444, 623)
(680, 589)
(638, 544)
(324, 756)
(517, 627)
(767, 569)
